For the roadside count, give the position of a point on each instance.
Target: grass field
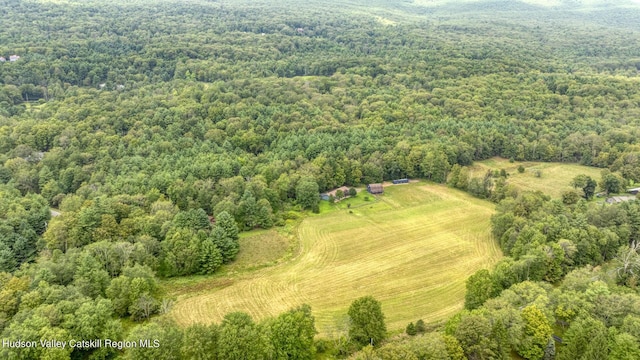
(555, 178)
(412, 249)
(363, 198)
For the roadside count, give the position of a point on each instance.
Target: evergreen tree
(411, 329)
(210, 257)
(226, 222)
(265, 214)
(248, 211)
(194, 219)
(8, 262)
(227, 245)
(180, 253)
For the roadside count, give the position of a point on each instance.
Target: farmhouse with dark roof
(326, 195)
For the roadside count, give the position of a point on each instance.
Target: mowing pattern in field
(555, 178)
(412, 250)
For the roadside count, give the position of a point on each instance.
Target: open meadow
(412, 248)
(553, 181)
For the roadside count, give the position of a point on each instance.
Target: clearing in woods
(412, 249)
(553, 181)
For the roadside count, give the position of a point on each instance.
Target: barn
(375, 188)
(400, 181)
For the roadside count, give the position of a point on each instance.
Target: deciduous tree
(240, 338)
(292, 334)
(367, 324)
(537, 333)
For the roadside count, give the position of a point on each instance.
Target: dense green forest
(158, 130)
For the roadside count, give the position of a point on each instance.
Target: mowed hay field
(555, 178)
(412, 249)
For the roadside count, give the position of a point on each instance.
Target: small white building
(2, 59)
(14, 58)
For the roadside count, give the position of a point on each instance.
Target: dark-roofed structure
(326, 195)
(375, 188)
(557, 338)
(400, 181)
